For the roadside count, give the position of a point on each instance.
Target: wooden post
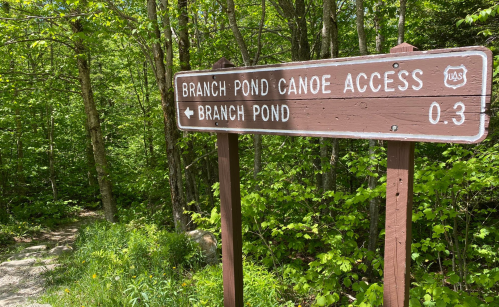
(398, 229)
(230, 209)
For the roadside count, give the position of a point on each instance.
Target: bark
(183, 42)
(164, 75)
(91, 169)
(257, 139)
(335, 49)
(326, 29)
(51, 156)
(360, 27)
(401, 27)
(335, 154)
(192, 196)
(297, 23)
(147, 103)
(21, 179)
(237, 34)
(378, 25)
(93, 120)
(4, 214)
(327, 174)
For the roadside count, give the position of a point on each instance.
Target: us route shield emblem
(455, 76)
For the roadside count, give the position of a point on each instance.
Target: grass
(141, 265)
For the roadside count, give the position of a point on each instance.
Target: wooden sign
(430, 96)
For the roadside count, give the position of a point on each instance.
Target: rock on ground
(207, 242)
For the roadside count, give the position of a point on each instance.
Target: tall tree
(360, 27)
(93, 121)
(401, 24)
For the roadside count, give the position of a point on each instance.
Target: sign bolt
(395, 128)
(395, 65)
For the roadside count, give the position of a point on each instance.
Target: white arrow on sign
(189, 113)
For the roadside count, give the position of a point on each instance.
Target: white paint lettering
(237, 85)
(208, 113)
(212, 90)
(223, 112)
(206, 86)
(230, 112)
(256, 111)
(284, 119)
(200, 90)
(266, 87)
(371, 82)
(417, 71)
(406, 84)
(324, 83)
(316, 90)
(185, 90)
(192, 88)
(216, 116)
(254, 87)
(222, 89)
(246, 85)
(303, 84)
(349, 84)
(240, 111)
(361, 89)
(265, 109)
(292, 86)
(282, 92)
(275, 113)
(388, 80)
(200, 112)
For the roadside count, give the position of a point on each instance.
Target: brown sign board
(429, 96)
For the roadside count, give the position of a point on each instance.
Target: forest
(88, 122)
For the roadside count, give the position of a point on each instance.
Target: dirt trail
(21, 279)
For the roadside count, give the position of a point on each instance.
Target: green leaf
(321, 301)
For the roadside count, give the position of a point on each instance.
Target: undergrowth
(141, 265)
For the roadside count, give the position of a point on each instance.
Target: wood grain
(230, 209)
(360, 97)
(399, 191)
(398, 227)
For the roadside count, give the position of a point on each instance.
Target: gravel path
(21, 276)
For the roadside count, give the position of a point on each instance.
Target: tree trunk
(21, 179)
(4, 214)
(360, 27)
(164, 75)
(257, 138)
(183, 43)
(401, 28)
(51, 154)
(91, 169)
(149, 131)
(378, 25)
(326, 29)
(103, 174)
(301, 21)
(335, 47)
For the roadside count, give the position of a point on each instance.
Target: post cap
(404, 47)
(223, 63)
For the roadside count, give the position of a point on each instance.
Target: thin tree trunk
(360, 27)
(378, 25)
(91, 169)
(149, 131)
(183, 42)
(164, 75)
(301, 21)
(21, 179)
(335, 47)
(401, 27)
(327, 170)
(326, 29)
(237, 34)
(51, 155)
(4, 214)
(103, 174)
(335, 154)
